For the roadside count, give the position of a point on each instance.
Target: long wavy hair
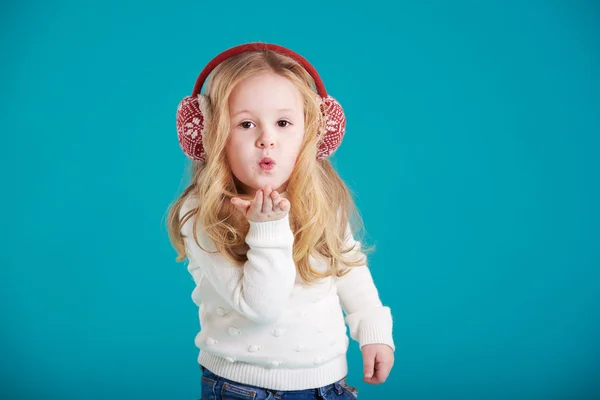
(322, 206)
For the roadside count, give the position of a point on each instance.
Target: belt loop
(338, 387)
(321, 391)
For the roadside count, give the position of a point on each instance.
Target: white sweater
(262, 326)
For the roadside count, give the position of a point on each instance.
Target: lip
(266, 164)
(267, 160)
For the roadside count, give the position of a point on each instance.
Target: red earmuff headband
(193, 112)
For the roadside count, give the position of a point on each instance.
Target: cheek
(239, 155)
(296, 144)
(292, 157)
(236, 145)
(232, 152)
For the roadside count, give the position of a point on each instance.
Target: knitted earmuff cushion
(193, 119)
(335, 129)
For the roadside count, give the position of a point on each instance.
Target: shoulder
(190, 225)
(189, 203)
(187, 214)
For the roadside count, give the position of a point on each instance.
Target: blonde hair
(321, 203)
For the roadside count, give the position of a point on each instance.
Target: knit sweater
(261, 325)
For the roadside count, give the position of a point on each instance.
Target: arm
(369, 321)
(260, 289)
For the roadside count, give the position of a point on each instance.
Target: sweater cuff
(373, 328)
(270, 233)
(375, 334)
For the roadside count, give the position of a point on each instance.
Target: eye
(285, 122)
(245, 124)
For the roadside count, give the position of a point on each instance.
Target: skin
(267, 119)
(261, 128)
(378, 360)
(270, 206)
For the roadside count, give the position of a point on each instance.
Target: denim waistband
(278, 394)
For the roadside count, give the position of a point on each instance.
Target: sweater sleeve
(368, 319)
(260, 289)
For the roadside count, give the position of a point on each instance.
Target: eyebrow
(250, 112)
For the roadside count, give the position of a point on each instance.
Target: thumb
(368, 365)
(240, 204)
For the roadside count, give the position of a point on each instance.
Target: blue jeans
(215, 387)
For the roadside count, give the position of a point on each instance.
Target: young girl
(265, 225)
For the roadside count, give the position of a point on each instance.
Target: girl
(265, 227)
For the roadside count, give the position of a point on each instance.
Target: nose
(265, 140)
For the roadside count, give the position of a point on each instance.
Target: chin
(257, 185)
(259, 182)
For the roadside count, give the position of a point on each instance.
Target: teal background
(472, 147)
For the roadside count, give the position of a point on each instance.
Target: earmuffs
(194, 115)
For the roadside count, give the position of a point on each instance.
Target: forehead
(265, 90)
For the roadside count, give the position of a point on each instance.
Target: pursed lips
(267, 161)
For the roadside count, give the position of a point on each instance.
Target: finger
(284, 204)
(257, 202)
(368, 365)
(240, 204)
(236, 201)
(267, 206)
(276, 199)
(383, 366)
(373, 381)
(382, 371)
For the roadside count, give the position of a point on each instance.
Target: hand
(378, 360)
(270, 208)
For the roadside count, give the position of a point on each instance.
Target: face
(267, 121)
